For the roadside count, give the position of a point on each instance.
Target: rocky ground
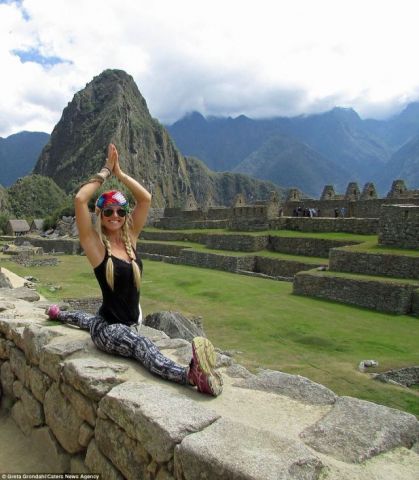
(266, 426)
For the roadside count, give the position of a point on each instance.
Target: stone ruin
(89, 412)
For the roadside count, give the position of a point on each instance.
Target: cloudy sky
(260, 58)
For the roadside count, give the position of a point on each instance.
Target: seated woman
(110, 249)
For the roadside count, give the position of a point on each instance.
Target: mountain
(404, 164)
(35, 196)
(288, 162)
(339, 136)
(399, 129)
(18, 155)
(111, 109)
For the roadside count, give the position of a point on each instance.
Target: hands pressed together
(112, 162)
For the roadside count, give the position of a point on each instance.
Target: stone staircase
(384, 282)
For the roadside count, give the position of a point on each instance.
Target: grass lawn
(371, 246)
(322, 340)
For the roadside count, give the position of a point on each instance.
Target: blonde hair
(110, 277)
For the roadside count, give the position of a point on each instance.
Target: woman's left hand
(116, 169)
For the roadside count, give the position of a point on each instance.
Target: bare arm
(89, 239)
(142, 199)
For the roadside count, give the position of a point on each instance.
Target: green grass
(278, 233)
(360, 276)
(324, 341)
(371, 246)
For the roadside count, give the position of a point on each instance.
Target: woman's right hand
(112, 157)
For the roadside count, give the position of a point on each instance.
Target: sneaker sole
(206, 357)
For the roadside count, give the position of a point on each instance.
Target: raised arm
(142, 199)
(89, 239)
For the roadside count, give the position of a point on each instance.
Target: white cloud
(257, 57)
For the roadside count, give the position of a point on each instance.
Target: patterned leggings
(122, 340)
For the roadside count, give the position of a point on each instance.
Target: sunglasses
(108, 212)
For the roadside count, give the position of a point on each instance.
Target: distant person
(110, 248)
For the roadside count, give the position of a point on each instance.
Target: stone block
(157, 418)
(93, 377)
(8, 325)
(53, 354)
(256, 454)
(63, 420)
(52, 451)
(5, 346)
(98, 463)
(85, 408)
(21, 418)
(18, 388)
(7, 378)
(174, 324)
(86, 434)
(126, 454)
(39, 383)
(6, 306)
(33, 409)
(77, 465)
(20, 293)
(35, 337)
(355, 430)
(18, 364)
(293, 386)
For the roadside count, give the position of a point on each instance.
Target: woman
(110, 249)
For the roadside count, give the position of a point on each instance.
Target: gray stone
(93, 377)
(293, 386)
(62, 419)
(33, 409)
(39, 383)
(84, 407)
(355, 430)
(6, 306)
(98, 463)
(171, 343)
(86, 433)
(16, 336)
(174, 324)
(20, 293)
(125, 453)
(7, 326)
(18, 364)
(256, 454)
(157, 418)
(238, 371)
(405, 377)
(35, 337)
(184, 354)
(223, 360)
(7, 378)
(20, 416)
(18, 388)
(153, 334)
(77, 465)
(5, 346)
(4, 281)
(52, 355)
(53, 453)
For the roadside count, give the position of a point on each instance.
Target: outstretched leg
(79, 319)
(121, 340)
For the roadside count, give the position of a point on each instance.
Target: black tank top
(121, 304)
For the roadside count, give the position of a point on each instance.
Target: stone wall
(384, 296)
(282, 269)
(399, 226)
(310, 247)
(398, 266)
(363, 226)
(159, 249)
(52, 245)
(216, 261)
(94, 413)
(241, 243)
(370, 208)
